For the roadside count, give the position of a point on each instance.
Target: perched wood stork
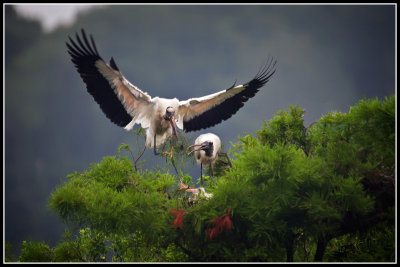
(126, 105)
(207, 148)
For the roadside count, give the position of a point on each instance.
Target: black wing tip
(84, 54)
(263, 75)
(232, 86)
(82, 48)
(230, 106)
(113, 65)
(267, 70)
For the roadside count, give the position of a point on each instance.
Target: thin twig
(141, 154)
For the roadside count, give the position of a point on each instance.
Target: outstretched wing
(203, 112)
(123, 103)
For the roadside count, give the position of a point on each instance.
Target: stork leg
(173, 164)
(225, 155)
(211, 173)
(155, 149)
(141, 154)
(201, 174)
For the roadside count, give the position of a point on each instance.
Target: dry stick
(130, 151)
(141, 154)
(173, 164)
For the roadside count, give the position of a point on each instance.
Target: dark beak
(194, 148)
(202, 146)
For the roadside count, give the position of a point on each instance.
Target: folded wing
(123, 103)
(203, 112)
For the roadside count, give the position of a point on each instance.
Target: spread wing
(203, 112)
(123, 103)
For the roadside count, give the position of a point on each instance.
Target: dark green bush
(294, 193)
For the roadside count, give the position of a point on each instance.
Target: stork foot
(169, 154)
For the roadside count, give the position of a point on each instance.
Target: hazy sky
(53, 15)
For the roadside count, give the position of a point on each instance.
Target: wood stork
(196, 192)
(207, 148)
(126, 105)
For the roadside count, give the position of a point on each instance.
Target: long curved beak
(195, 148)
(172, 122)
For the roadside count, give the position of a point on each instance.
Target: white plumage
(126, 105)
(209, 146)
(196, 192)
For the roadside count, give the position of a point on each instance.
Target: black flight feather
(231, 105)
(84, 56)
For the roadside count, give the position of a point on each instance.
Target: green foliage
(112, 197)
(177, 149)
(8, 254)
(35, 252)
(286, 127)
(131, 248)
(293, 186)
(323, 193)
(376, 246)
(69, 250)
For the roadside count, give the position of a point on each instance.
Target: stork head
(169, 113)
(170, 116)
(206, 146)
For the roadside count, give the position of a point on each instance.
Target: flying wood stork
(207, 148)
(126, 105)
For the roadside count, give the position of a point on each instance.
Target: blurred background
(329, 57)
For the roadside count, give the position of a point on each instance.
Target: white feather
(200, 155)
